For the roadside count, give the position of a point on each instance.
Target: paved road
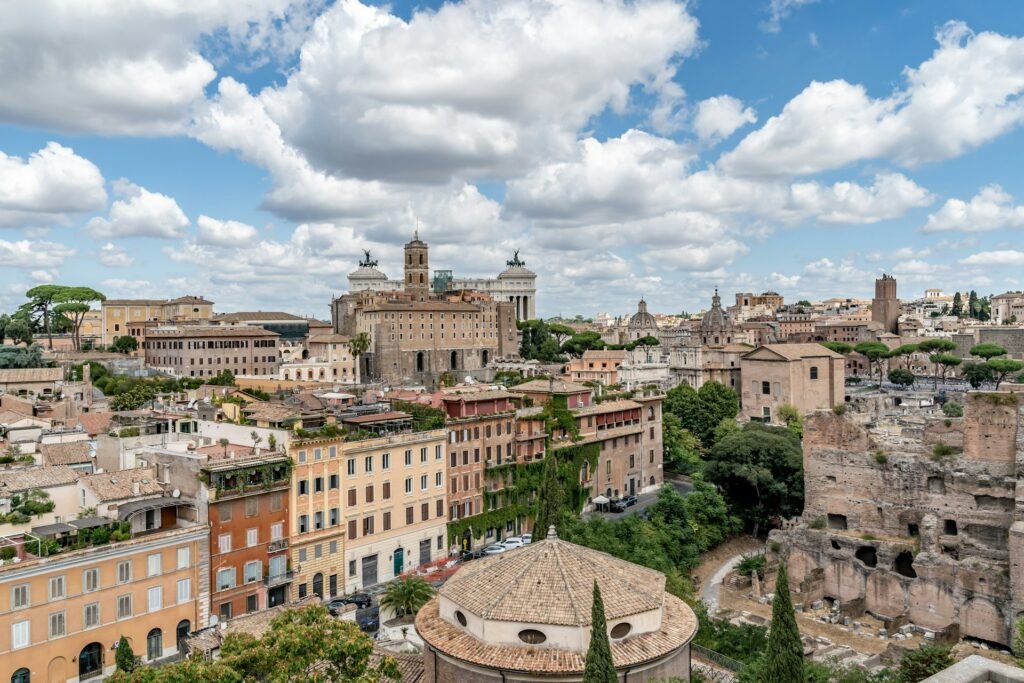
(644, 501)
(711, 590)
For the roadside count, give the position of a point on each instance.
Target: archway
(22, 675)
(181, 633)
(57, 672)
(155, 644)
(486, 357)
(90, 661)
(419, 361)
(454, 360)
(318, 585)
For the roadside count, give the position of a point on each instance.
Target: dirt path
(713, 559)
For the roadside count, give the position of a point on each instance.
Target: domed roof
(364, 272)
(716, 318)
(516, 268)
(552, 582)
(642, 319)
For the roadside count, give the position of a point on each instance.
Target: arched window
(421, 259)
(423, 278)
(181, 632)
(155, 644)
(90, 661)
(814, 372)
(22, 675)
(318, 585)
(454, 360)
(419, 361)
(486, 357)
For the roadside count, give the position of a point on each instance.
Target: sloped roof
(552, 582)
(69, 453)
(96, 422)
(258, 316)
(797, 351)
(12, 375)
(118, 485)
(557, 386)
(13, 481)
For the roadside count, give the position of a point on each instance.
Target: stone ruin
(915, 519)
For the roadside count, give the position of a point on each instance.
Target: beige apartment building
(395, 505)
(597, 366)
(326, 359)
(206, 351)
(118, 314)
(62, 615)
(808, 377)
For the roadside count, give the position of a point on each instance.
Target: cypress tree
(599, 668)
(550, 499)
(124, 658)
(785, 653)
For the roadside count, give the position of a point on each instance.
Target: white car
(495, 549)
(527, 539)
(512, 543)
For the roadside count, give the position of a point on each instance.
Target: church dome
(642, 320)
(715, 319)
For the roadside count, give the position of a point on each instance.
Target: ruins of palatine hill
(917, 519)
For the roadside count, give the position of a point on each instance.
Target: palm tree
(407, 595)
(357, 346)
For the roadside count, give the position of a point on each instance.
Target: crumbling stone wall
(916, 519)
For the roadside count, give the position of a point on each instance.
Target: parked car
(617, 506)
(369, 622)
(629, 501)
(513, 542)
(527, 539)
(336, 606)
(360, 600)
(495, 549)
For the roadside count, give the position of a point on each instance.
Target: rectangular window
(367, 525)
(251, 537)
(252, 506)
(438, 453)
(423, 482)
(19, 635)
(387, 521)
(153, 565)
(368, 464)
(424, 512)
(317, 453)
(91, 615)
(440, 507)
(251, 604)
(225, 610)
(333, 547)
(385, 461)
(332, 452)
(440, 542)
(20, 596)
(438, 479)
(302, 555)
(352, 528)
(386, 490)
(302, 456)
(184, 590)
(334, 517)
(57, 628)
(276, 502)
(253, 571)
(303, 523)
(90, 580)
(184, 557)
(154, 599)
(224, 513)
(766, 388)
(408, 484)
(333, 481)
(423, 454)
(351, 497)
(124, 571)
(351, 567)
(303, 487)
(226, 579)
(410, 515)
(318, 485)
(351, 464)
(124, 606)
(369, 493)
(56, 587)
(224, 543)
(408, 458)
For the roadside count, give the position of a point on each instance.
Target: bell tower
(417, 266)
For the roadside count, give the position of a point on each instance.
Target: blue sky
(247, 150)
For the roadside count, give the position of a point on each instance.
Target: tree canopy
(700, 412)
(759, 470)
(1001, 367)
(838, 347)
(21, 357)
(978, 373)
(125, 344)
(876, 353)
(901, 377)
(583, 341)
(538, 342)
(407, 595)
(987, 351)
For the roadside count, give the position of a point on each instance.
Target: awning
(52, 529)
(600, 500)
(126, 510)
(90, 522)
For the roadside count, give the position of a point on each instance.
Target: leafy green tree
(185, 671)
(550, 498)
(39, 307)
(124, 658)
(926, 661)
(717, 402)
(73, 304)
(791, 417)
(538, 343)
(407, 595)
(784, 656)
(876, 353)
(18, 357)
(125, 344)
(682, 454)
(560, 332)
(804, 302)
(945, 362)
(1018, 640)
(937, 345)
(357, 346)
(599, 667)
(759, 470)
(1001, 367)
(972, 304)
(644, 343)
(583, 341)
(952, 409)
(19, 331)
(682, 402)
(906, 350)
(987, 351)
(958, 305)
(978, 373)
(901, 377)
(838, 347)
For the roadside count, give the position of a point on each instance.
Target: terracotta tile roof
(9, 417)
(257, 316)
(12, 375)
(606, 407)
(95, 423)
(472, 396)
(329, 339)
(678, 626)
(799, 351)
(201, 331)
(551, 582)
(69, 453)
(12, 481)
(269, 412)
(409, 665)
(118, 485)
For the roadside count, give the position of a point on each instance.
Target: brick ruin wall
(919, 518)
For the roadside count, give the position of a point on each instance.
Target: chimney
(136, 488)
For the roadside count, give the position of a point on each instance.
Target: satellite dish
(175, 493)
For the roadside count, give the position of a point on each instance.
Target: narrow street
(644, 501)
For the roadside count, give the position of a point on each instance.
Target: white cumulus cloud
(1003, 257)
(719, 117)
(140, 213)
(48, 187)
(225, 233)
(991, 209)
(114, 256)
(33, 255)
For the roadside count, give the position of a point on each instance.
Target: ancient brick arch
(982, 618)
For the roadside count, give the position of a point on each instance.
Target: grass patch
(881, 458)
(839, 409)
(869, 537)
(943, 451)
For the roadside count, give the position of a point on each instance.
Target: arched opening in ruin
(949, 527)
(835, 545)
(904, 565)
(837, 522)
(867, 555)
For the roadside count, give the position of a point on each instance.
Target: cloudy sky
(248, 150)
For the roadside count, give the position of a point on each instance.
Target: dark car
(628, 501)
(360, 600)
(369, 622)
(617, 506)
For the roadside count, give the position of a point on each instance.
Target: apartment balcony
(278, 545)
(272, 580)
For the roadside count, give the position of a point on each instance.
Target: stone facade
(808, 377)
(915, 519)
(118, 314)
(885, 307)
(206, 350)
